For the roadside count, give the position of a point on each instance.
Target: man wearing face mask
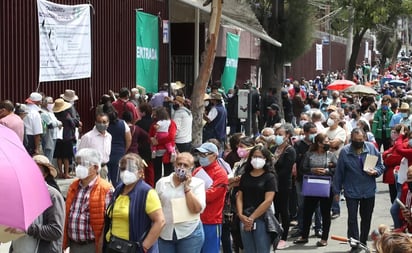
(380, 125)
(99, 139)
(335, 133)
(216, 183)
(359, 183)
(215, 120)
(87, 200)
(324, 102)
(183, 119)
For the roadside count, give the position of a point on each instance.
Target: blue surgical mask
(404, 115)
(279, 140)
(385, 107)
(312, 137)
(204, 161)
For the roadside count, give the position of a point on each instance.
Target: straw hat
(177, 85)
(60, 105)
(44, 161)
(404, 106)
(180, 99)
(69, 95)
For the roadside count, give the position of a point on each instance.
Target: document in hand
(181, 212)
(370, 162)
(205, 177)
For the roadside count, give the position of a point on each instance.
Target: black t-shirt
(254, 188)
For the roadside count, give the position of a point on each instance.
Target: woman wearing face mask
(135, 212)
(256, 192)
(318, 161)
(243, 148)
(284, 157)
(182, 191)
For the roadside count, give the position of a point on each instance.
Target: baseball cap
(207, 147)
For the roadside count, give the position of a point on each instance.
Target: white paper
(318, 181)
(370, 162)
(59, 133)
(403, 170)
(205, 177)
(181, 212)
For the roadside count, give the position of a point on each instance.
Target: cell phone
(254, 226)
(402, 205)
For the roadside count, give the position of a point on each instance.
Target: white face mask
(258, 163)
(128, 177)
(50, 107)
(82, 171)
(206, 103)
(330, 122)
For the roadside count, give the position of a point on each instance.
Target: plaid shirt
(79, 228)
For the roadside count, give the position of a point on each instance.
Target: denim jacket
(349, 172)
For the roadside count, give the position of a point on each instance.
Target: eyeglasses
(205, 154)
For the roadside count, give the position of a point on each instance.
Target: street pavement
(381, 215)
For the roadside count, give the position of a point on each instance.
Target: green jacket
(381, 122)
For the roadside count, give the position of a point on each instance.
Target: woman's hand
(247, 222)
(319, 171)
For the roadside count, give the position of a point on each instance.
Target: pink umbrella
(340, 85)
(24, 192)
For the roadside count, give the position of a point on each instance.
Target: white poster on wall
(64, 41)
(319, 56)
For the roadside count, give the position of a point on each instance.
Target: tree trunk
(205, 71)
(357, 40)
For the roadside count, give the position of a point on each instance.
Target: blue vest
(219, 123)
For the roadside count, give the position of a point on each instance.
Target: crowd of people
(140, 184)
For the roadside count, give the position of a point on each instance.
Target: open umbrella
(397, 83)
(340, 85)
(360, 90)
(24, 192)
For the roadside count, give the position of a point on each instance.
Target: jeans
(312, 204)
(335, 206)
(191, 243)
(167, 168)
(300, 202)
(395, 208)
(281, 203)
(184, 147)
(226, 242)
(212, 238)
(365, 206)
(256, 241)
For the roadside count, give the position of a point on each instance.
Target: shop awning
(240, 15)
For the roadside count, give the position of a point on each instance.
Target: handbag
(119, 245)
(316, 186)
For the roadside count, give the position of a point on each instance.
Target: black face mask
(325, 97)
(326, 147)
(297, 90)
(357, 144)
(410, 186)
(354, 115)
(175, 107)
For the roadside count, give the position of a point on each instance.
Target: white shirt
(163, 125)
(184, 121)
(32, 122)
(212, 113)
(167, 190)
(96, 140)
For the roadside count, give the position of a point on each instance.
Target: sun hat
(44, 161)
(180, 99)
(61, 105)
(69, 95)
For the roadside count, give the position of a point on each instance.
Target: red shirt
(215, 194)
(121, 105)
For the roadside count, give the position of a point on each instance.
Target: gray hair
(358, 130)
(90, 155)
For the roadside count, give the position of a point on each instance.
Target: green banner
(232, 54)
(147, 51)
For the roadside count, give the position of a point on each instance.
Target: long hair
(266, 153)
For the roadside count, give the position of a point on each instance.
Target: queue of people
(140, 186)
